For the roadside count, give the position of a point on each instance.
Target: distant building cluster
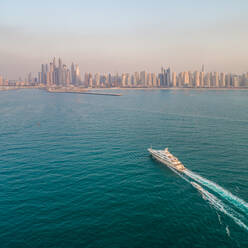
(62, 76)
(19, 82)
(128, 80)
(54, 74)
(166, 79)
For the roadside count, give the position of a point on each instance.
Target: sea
(75, 170)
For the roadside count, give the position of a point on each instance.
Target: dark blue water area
(75, 171)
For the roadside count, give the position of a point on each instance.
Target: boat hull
(155, 156)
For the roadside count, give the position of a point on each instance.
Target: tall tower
(168, 77)
(216, 80)
(73, 76)
(123, 80)
(203, 68)
(174, 79)
(43, 74)
(143, 78)
(60, 63)
(154, 80)
(222, 80)
(197, 79)
(202, 79)
(54, 63)
(77, 74)
(186, 78)
(97, 80)
(208, 80)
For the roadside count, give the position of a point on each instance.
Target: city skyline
(57, 74)
(125, 36)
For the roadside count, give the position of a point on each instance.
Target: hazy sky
(124, 36)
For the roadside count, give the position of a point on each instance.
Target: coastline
(81, 90)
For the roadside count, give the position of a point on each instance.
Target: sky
(124, 36)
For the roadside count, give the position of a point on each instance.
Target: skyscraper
(186, 78)
(143, 78)
(168, 77)
(123, 80)
(216, 79)
(174, 79)
(149, 80)
(43, 74)
(154, 80)
(77, 74)
(165, 77)
(197, 79)
(222, 80)
(97, 80)
(202, 79)
(73, 74)
(208, 80)
(228, 80)
(191, 79)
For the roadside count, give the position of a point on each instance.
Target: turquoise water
(75, 172)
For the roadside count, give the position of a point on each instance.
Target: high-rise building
(216, 79)
(149, 79)
(143, 78)
(180, 79)
(136, 78)
(60, 63)
(154, 80)
(97, 80)
(77, 74)
(197, 79)
(222, 80)
(54, 63)
(165, 77)
(186, 78)
(73, 74)
(43, 74)
(228, 80)
(244, 80)
(174, 79)
(86, 79)
(202, 79)
(191, 78)
(68, 77)
(235, 81)
(123, 80)
(208, 80)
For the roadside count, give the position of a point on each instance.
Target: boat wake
(216, 203)
(234, 200)
(220, 206)
(229, 204)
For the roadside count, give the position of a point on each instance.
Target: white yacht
(165, 157)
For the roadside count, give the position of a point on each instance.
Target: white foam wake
(216, 203)
(221, 206)
(236, 201)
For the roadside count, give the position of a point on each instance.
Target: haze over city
(123, 123)
(118, 36)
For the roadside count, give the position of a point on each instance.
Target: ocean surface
(75, 171)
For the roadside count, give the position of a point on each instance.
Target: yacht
(165, 157)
